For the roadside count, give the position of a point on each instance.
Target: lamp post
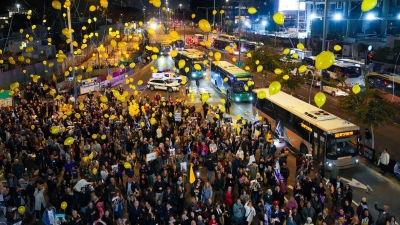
(71, 46)
(18, 6)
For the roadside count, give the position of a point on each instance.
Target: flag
(191, 175)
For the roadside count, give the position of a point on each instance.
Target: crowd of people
(124, 169)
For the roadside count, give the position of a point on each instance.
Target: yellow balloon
(187, 69)
(247, 68)
(56, 4)
(94, 136)
(356, 89)
(367, 5)
(277, 71)
(204, 25)
(174, 53)
(55, 129)
(286, 51)
(324, 60)
(217, 56)
(320, 99)
(174, 34)
(92, 8)
(197, 67)
(300, 46)
(181, 63)
(286, 77)
(257, 62)
(252, 10)
(261, 95)
(21, 209)
(94, 171)
(259, 68)
(302, 69)
(193, 16)
(222, 101)
(69, 141)
(205, 97)
(279, 18)
(248, 55)
(274, 88)
(140, 82)
(103, 137)
(234, 59)
(32, 127)
(337, 48)
(127, 165)
(64, 205)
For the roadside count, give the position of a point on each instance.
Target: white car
(334, 91)
(169, 75)
(163, 84)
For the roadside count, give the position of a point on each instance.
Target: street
(360, 173)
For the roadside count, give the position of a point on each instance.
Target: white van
(197, 38)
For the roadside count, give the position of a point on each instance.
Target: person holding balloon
(49, 215)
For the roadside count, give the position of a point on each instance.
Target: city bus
(387, 84)
(220, 44)
(191, 59)
(310, 130)
(352, 72)
(247, 46)
(236, 87)
(199, 53)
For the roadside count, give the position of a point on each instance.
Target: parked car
(163, 84)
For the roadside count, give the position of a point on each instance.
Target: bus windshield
(240, 87)
(336, 148)
(200, 63)
(352, 72)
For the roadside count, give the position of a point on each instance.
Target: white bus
(309, 129)
(387, 84)
(352, 72)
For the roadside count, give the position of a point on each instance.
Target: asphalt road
(383, 191)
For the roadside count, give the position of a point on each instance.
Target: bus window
(352, 72)
(340, 147)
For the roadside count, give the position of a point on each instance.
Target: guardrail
(373, 155)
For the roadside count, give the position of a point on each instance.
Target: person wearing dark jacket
(92, 213)
(210, 168)
(161, 211)
(218, 187)
(383, 216)
(135, 212)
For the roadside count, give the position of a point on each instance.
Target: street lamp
(337, 16)
(370, 16)
(264, 23)
(18, 6)
(180, 6)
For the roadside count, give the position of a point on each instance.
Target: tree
(271, 59)
(370, 108)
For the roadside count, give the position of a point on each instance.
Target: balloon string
(355, 27)
(291, 42)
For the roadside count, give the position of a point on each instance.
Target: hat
(364, 199)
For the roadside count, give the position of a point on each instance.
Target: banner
(151, 156)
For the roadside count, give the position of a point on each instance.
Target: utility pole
(71, 46)
(241, 3)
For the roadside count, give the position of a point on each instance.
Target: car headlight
(237, 99)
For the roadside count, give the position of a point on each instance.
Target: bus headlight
(237, 99)
(356, 160)
(251, 98)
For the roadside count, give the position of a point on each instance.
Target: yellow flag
(191, 175)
